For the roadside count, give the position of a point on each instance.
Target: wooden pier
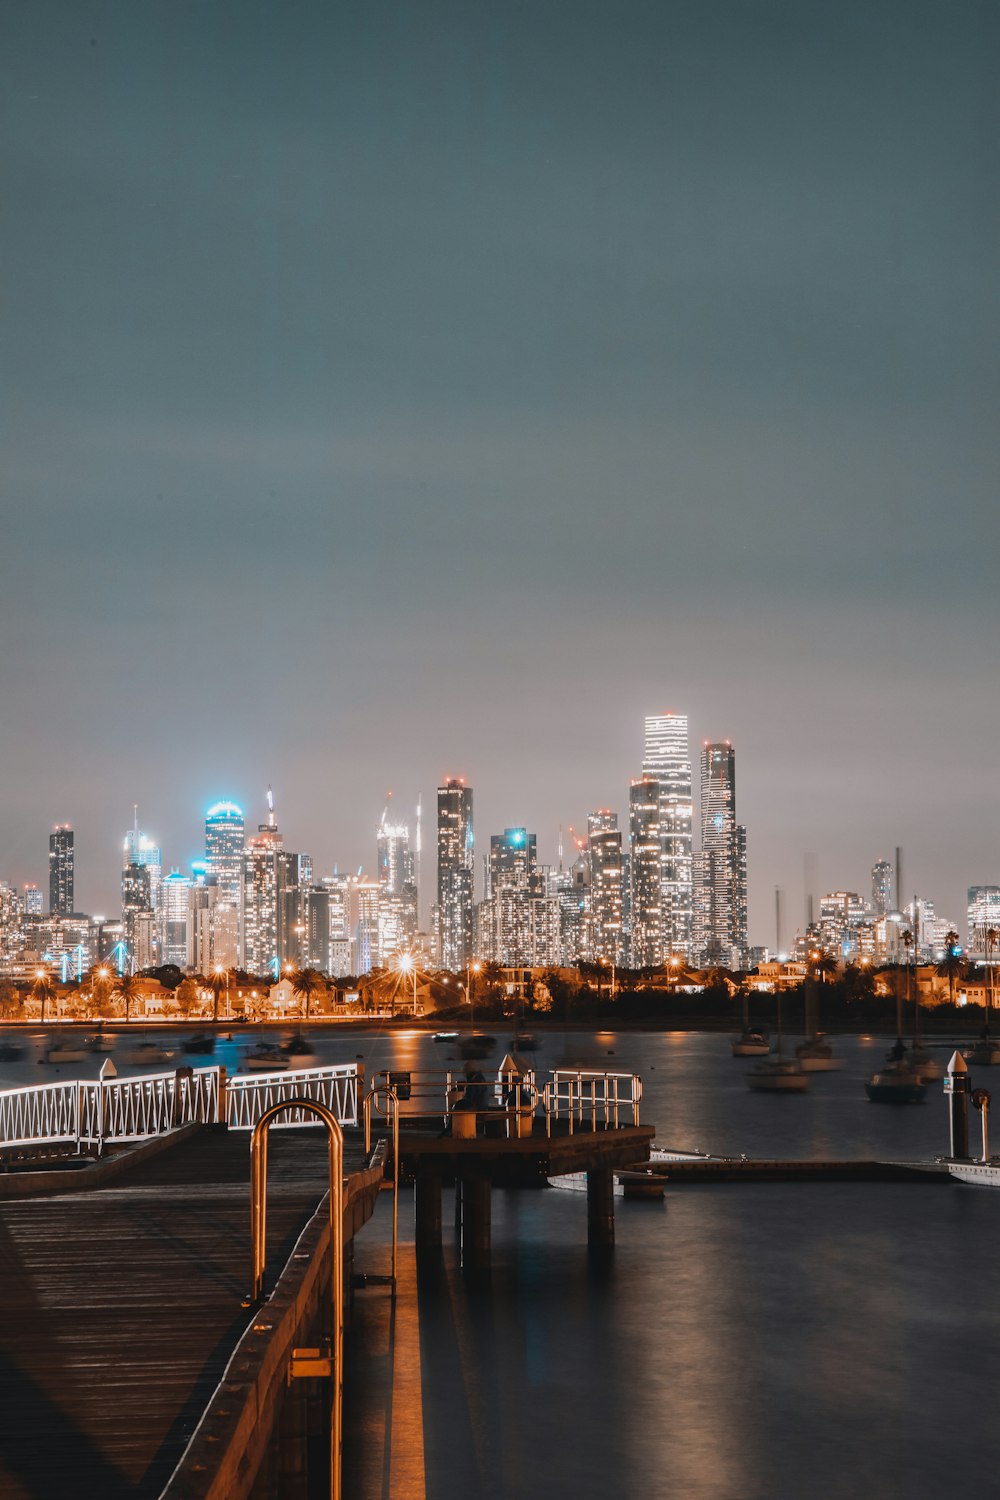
(121, 1307)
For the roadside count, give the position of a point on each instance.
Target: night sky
(394, 390)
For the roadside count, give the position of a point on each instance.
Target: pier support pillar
(477, 1229)
(601, 1207)
(428, 1209)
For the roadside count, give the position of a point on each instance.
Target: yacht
(266, 1057)
(299, 1053)
(63, 1049)
(986, 1052)
(754, 1042)
(147, 1055)
(979, 1173)
(778, 1075)
(896, 1082)
(817, 1056)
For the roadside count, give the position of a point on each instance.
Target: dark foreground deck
(120, 1307)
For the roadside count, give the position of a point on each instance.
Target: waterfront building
(604, 851)
(882, 902)
(722, 884)
(173, 917)
(983, 918)
(455, 874)
(645, 893)
(61, 862)
(667, 760)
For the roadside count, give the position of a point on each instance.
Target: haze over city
(398, 393)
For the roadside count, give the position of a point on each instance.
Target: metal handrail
(570, 1093)
(258, 1235)
(393, 1102)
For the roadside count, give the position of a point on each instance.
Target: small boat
(445, 1038)
(102, 1041)
(146, 1055)
(266, 1057)
(754, 1042)
(11, 1051)
(525, 1041)
(986, 1052)
(817, 1056)
(896, 1083)
(199, 1045)
(979, 1173)
(299, 1052)
(778, 1075)
(64, 1050)
(775, 1074)
(630, 1183)
(923, 1061)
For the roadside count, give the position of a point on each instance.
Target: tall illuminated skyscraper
(645, 921)
(604, 850)
(882, 888)
(172, 919)
(456, 873)
(667, 759)
(262, 883)
(225, 842)
(397, 906)
(139, 850)
(722, 886)
(61, 857)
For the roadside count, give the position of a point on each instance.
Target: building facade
(61, 871)
(455, 873)
(667, 760)
(722, 883)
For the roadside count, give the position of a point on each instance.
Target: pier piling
(601, 1207)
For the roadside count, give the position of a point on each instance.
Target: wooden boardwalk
(119, 1308)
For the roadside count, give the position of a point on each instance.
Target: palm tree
(491, 975)
(217, 981)
(43, 989)
(128, 988)
(952, 966)
(306, 983)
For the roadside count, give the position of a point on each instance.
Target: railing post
(183, 1079)
(222, 1097)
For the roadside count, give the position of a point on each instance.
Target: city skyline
(386, 406)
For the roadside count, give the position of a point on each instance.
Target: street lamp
(407, 965)
(470, 969)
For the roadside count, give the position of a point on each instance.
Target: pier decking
(120, 1307)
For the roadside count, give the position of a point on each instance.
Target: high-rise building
(604, 853)
(137, 849)
(518, 922)
(11, 926)
(263, 870)
(646, 926)
(722, 884)
(882, 903)
(456, 873)
(31, 900)
(984, 919)
(225, 842)
(397, 907)
(667, 759)
(173, 916)
(137, 912)
(61, 871)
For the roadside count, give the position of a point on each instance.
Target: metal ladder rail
(392, 1104)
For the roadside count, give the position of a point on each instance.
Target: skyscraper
(645, 939)
(882, 888)
(172, 919)
(722, 885)
(31, 898)
(983, 918)
(262, 883)
(456, 873)
(61, 871)
(137, 849)
(667, 759)
(604, 850)
(397, 908)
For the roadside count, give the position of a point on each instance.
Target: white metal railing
(593, 1099)
(91, 1112)
(336, 1087)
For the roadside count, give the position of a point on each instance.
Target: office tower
(983, 918)
(645, 870)
(137, 913)
(722, 884)
(456, 873)
(518, 922)
(225, 843)
(397, 913)
(604, 852)
(263, 871)
(366, 900)
(295, 882)
(11, 926)
(137, 849)
(172, 919)
(882, 888)
(31, 900)
(667, 759)
(61, 870)
(842, 915)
